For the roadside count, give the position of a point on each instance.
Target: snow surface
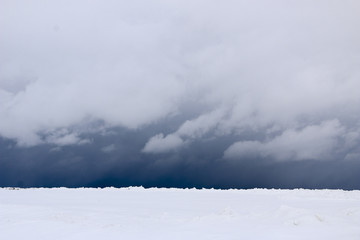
(138, 213)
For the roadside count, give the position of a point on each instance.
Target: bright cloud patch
(312, 142)
(161, 144)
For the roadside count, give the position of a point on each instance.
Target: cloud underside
(282, 78)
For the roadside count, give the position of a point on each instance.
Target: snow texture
(138, 213)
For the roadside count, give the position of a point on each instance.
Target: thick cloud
(280, 77)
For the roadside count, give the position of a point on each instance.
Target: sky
(217, 94)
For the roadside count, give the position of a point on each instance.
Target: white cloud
(196, 128)
(188, 131)
(161, 144)
(66, 139)
(312, 142)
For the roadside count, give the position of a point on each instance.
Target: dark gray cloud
(199, 165)
(268, 82)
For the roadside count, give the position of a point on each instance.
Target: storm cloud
(267, 82)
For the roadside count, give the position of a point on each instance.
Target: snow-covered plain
(137, 213)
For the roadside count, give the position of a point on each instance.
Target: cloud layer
(282, 78)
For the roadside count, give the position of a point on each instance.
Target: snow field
(138, 213)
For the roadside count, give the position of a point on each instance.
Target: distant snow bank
(159, 213)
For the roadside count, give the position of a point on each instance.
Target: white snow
(138, 213)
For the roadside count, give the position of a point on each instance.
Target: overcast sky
(155, 92)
